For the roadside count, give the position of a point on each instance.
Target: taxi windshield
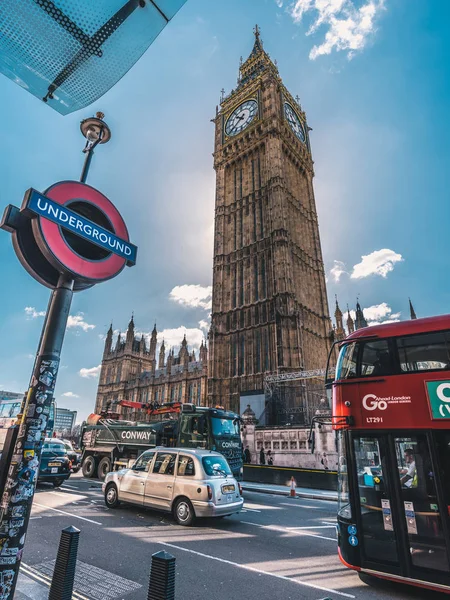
(225, 426)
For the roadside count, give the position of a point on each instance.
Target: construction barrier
(307, 478)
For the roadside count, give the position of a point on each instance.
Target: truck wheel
(184, 512)
(88, 467)
(104, 467)
(111, 496)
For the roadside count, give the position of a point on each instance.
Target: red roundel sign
(70, 228)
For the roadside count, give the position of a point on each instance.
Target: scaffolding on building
(295, 398)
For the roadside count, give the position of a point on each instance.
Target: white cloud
(91, 373)
(378, 262)
(378, 314)
(349, 23)
(174, 337)
(205, 325)
(32, 313)
(78, 321)
(74, 321)
(192, 296)
(70, 395)
(337, 270)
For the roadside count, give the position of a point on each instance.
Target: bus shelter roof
(69, 53)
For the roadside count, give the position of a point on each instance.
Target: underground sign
(71, 228)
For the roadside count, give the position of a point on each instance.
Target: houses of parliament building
(269, 303)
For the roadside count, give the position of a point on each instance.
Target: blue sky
(373, 78)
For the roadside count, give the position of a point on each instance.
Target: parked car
(74, 456)
(188, 483)
(55, 465)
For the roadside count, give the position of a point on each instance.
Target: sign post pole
(69, 239)
(23, 471)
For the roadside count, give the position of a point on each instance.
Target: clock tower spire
(269, 309)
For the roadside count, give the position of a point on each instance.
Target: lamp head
(95, 130)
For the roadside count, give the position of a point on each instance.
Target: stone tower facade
(134, 376)
(269, 310)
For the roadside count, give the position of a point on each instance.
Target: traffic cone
(292, 493)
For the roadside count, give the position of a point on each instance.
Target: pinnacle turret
(153, 341)
(340, 332)
(360, 320)
(412, 312)
(162, 356)
(350, 322)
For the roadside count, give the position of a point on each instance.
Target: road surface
(277, 548)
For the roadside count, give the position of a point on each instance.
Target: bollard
(66, 561)
(162, 577)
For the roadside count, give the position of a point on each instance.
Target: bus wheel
(184, 512)
(104, 467)
(88, 467)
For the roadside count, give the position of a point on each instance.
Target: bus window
(346, 367)
(423, 352)
(420, 504)
(376, 359)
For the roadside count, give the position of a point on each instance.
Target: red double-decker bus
(391, 413)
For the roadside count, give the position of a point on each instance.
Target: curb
(311, 496)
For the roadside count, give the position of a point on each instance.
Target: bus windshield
(346, 365)
(225, 426)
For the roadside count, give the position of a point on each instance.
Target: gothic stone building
(269, 308)
(133, 374)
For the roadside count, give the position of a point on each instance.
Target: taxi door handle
(170, 487)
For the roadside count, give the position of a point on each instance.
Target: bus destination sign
(439, 398)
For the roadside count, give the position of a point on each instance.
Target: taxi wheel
(104, 467)
(184, 512)
(111, 496)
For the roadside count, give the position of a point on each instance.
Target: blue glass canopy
(68, 53)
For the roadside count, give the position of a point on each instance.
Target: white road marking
(72, 487)
(300, 505)
(288, 530)
(259, 571)
(314, 527)
(250, 510)
(35, 518)
(60, 494)
(63, 512)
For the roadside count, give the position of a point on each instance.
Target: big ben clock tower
(269, 308)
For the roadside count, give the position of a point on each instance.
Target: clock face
(294, 122)
(241, 117)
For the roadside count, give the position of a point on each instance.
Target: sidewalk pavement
(283, 490)
(29, 589)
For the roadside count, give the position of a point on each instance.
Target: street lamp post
(17, 498)
(96, 131)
